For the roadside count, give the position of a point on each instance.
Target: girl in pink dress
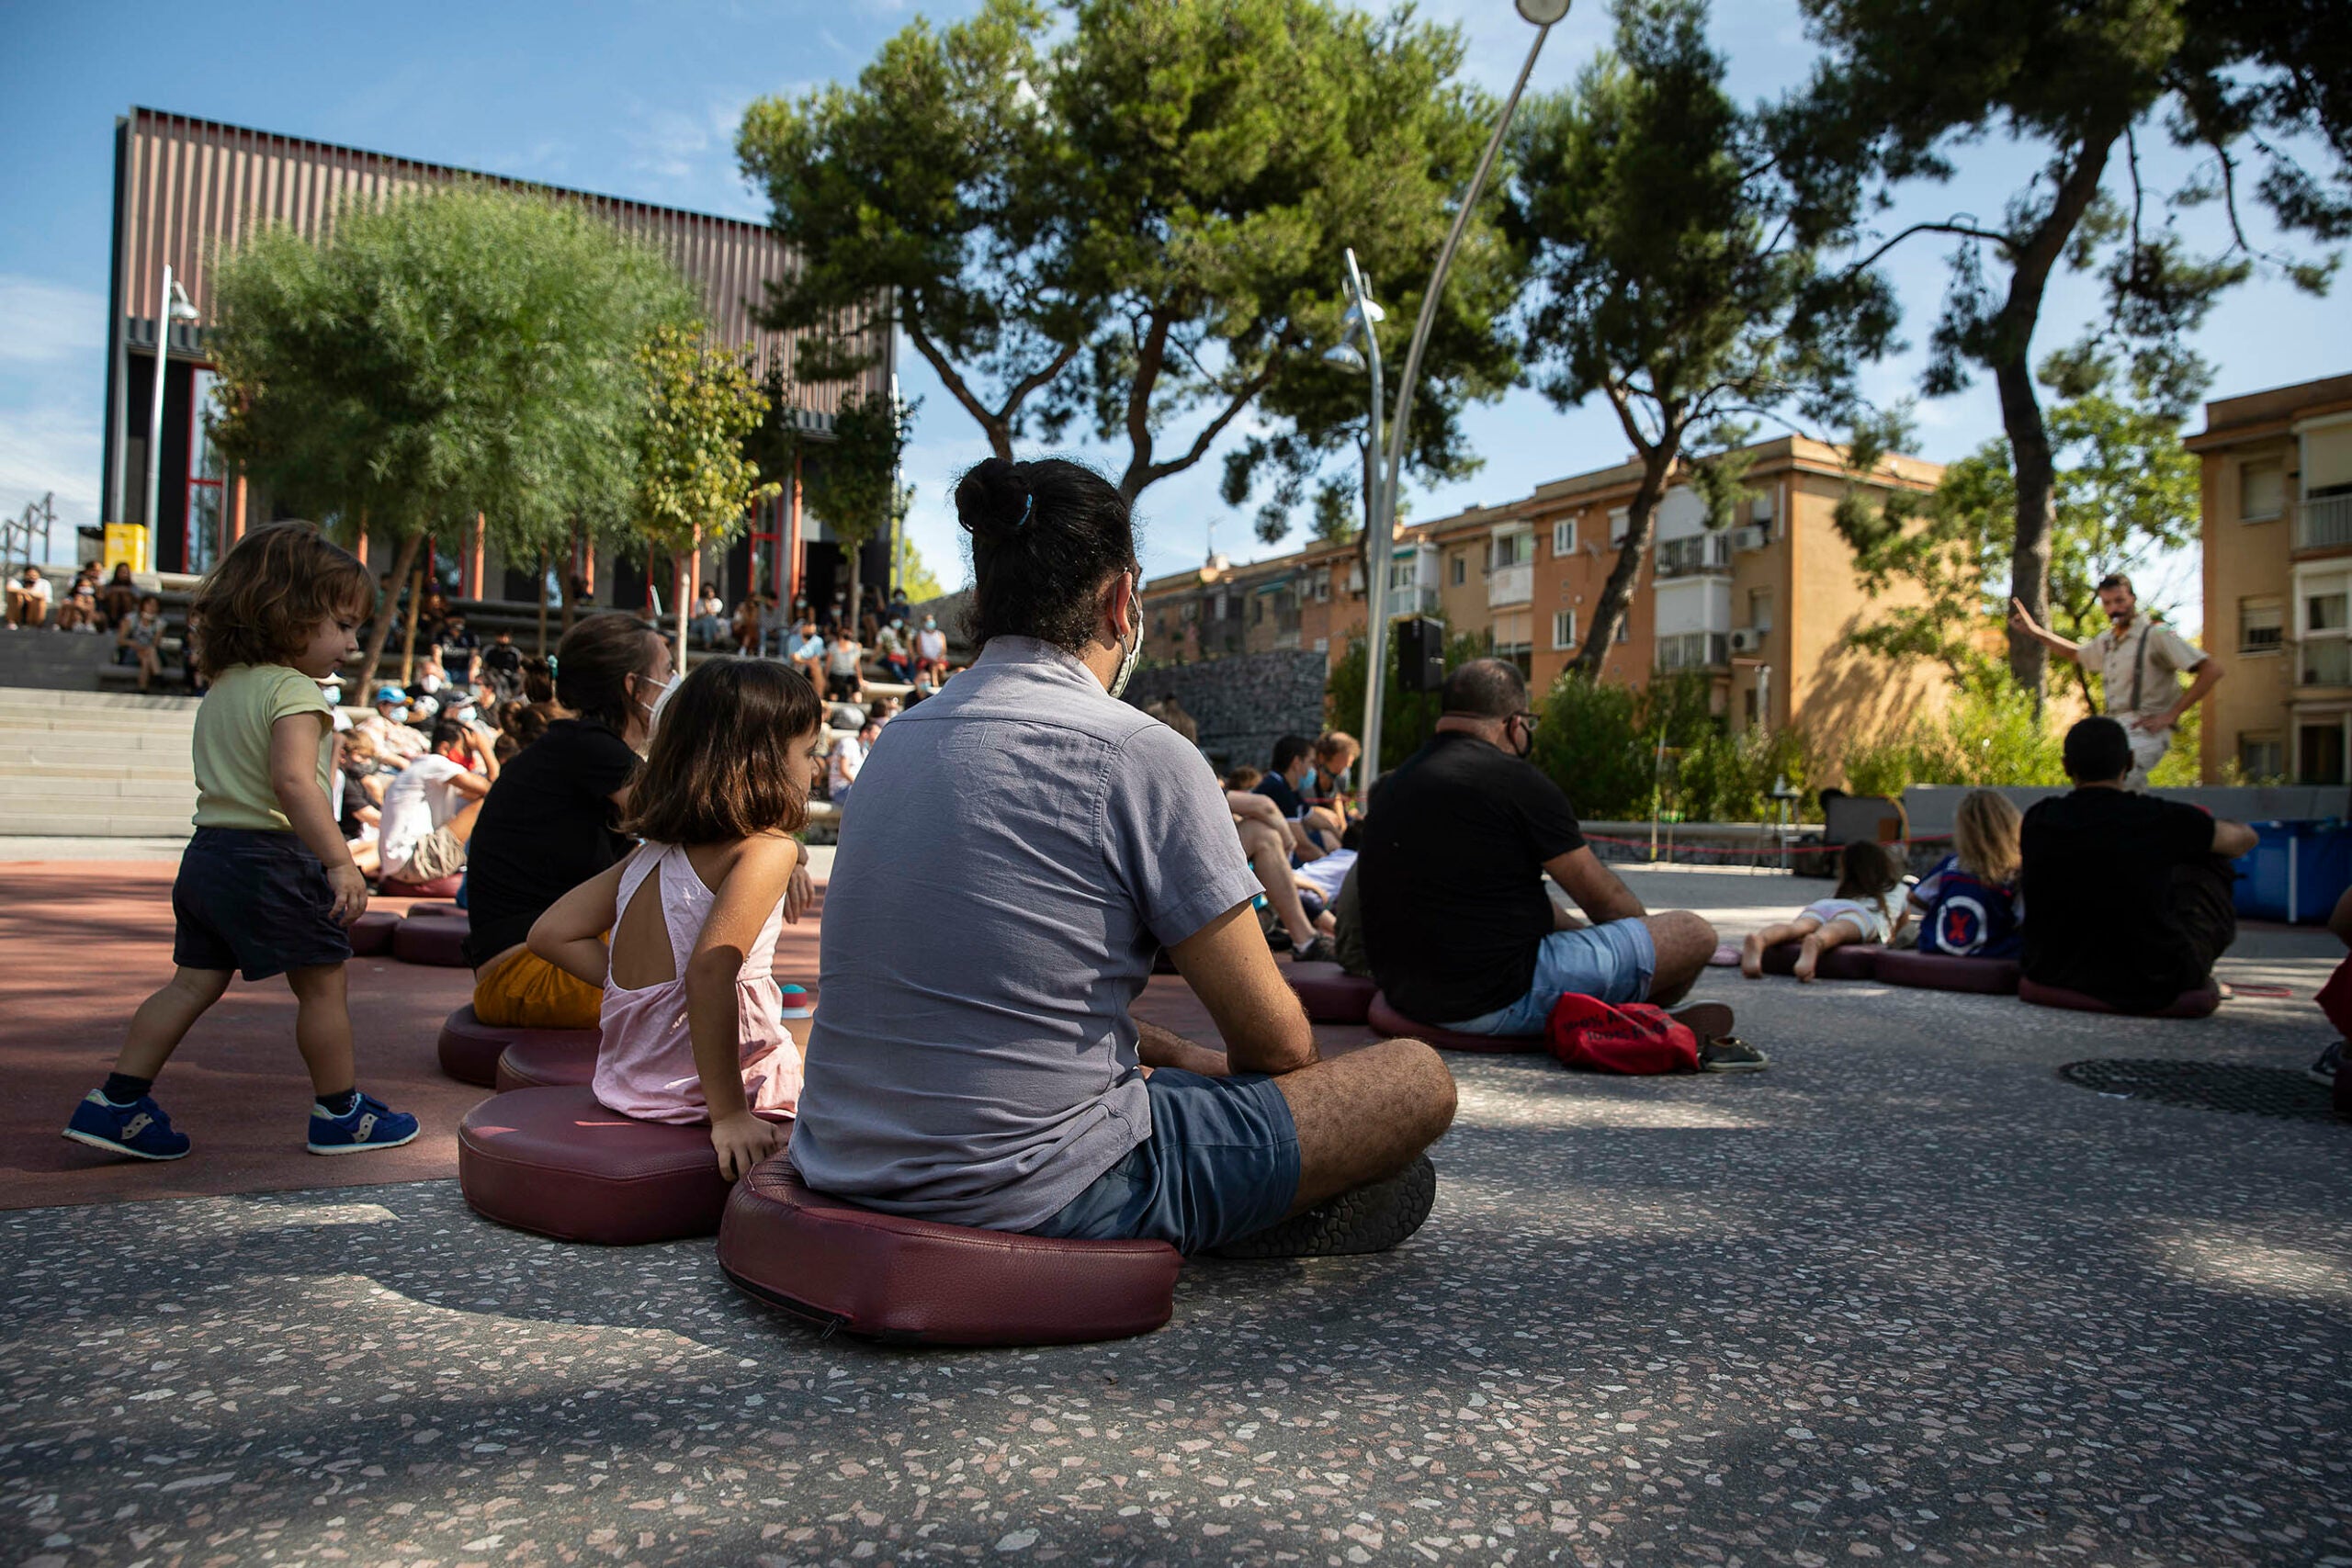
(692, 1020)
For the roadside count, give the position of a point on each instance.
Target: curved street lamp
(1543, 15)
(175, 308)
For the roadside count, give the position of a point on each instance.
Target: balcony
(1694, 650)
(1510, 585)
(2323, 661)
(2324, 523)
(1704, 555)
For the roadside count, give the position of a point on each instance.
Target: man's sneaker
(140, 1129)
(2324, 1071)
(371, 1124)
(1368, 1219)
(1731, 1054)
(1317, 950)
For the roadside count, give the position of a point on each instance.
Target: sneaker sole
(91, 1140)
(1708, 1021)
(1368, 1219)
(361, 1148)
(1734, 1066)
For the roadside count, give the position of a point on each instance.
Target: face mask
(1306, 782)
(929, 625)
(1526, 741)
(1135, 649)
(661, 700)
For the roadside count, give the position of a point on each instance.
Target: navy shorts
(1221, 1163)
(255, 902)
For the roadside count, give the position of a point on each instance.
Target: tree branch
(1000, 438)
(1152, 473)
(1965, 230)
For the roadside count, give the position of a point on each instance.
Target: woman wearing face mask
(1062, 836)
(552, 821)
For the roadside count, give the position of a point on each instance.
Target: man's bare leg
(1270, 857)
(1684, 942)
(1366, 1116)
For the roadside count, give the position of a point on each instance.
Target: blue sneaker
(372, 1124)
(140, 1130)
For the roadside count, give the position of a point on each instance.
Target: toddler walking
(1868, 907)
(693, 1018)
(266, 886)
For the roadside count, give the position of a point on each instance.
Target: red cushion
(1857, 961)
(2199, 1003)
(554, 1161)
(1941, 972)
(425, 909)
(470, 1048)
(549, 1058)
(887, 1278)
(431, 939)
(1329, 993)
(1396, 1026)
(372, 933)
(439, 887)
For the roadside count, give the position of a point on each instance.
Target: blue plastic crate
(2295, 872)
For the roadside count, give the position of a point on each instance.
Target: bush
(1729, 778)
(1989, 734)
(1590, 741)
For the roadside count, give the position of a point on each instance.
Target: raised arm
(2023, 621)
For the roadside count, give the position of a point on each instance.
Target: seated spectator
(1294, 770)
(143, 636)
(390, 727)
(1329, 809)
(1242, 780)
(844, 669)
(80, 611)
(931, 654)
(432, 676)
(458, 651)
(29, 599)
(118, 600)
(847, 758)
(1968, 906)
(890, 647)
(1867, 907)
(709, 626)
(1457, 925)
(883, 710)
(502, 664)
(430, 809)
(999, 1079)
(807, 653)
(2132, 898)
(1266, 843)
(746, 627)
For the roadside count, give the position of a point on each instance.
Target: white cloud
(42, 323)
(45, 450)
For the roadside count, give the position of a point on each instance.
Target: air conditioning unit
(1748, 640)
(1754, 536)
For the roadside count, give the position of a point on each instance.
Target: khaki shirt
(2124, 673)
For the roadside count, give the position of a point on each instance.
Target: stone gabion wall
(1243, 704)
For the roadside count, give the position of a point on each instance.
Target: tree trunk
(381, 632)
(408, 637)
(856, 586)
(543, 606)
(1641, 522)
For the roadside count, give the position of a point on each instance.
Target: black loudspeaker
(1420, 654)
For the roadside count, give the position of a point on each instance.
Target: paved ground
(1907, 1296)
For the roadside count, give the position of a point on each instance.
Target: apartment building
(2276, 524)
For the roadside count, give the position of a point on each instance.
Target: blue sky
(641, 100)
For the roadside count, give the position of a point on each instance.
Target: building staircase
(94, 765)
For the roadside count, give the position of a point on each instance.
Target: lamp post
(1364, 317)
(1543, 15)
(175, 308)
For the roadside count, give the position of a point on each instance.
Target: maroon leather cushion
(426, 909)
(431, 939)
(549, 1058)
(372, 933)
(1941, 972)
(470, 1048)
(554, 1161)
(2188, 1004)
(1396, 1026)
(439, 887)
(1329, 993)
(887, 1278)
(1857, 961)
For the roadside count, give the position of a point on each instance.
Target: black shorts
(255, 902)
(843, 687)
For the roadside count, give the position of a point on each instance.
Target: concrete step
(96, 702)
(99, 721)
(109, 819)
(55, 792)
(26, 772)
(69, 748)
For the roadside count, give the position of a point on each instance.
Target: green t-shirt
(233, 744)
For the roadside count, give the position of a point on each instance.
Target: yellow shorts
(525, 991)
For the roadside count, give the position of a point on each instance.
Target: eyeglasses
(1527, 719)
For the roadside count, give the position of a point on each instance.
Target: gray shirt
(1024, 844)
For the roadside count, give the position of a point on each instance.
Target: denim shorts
(1610, 963)
(253, 901)
(1221, 1163)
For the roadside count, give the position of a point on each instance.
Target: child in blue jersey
(1969, 906)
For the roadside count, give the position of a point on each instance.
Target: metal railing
(1694, 650)
(1704, 553)
(1511, 585)
(2324, 523)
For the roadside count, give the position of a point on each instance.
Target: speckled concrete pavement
(1904, 1297)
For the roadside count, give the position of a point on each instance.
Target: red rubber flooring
(87, 942)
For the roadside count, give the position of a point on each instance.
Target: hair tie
(1028, 504)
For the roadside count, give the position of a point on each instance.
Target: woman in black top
(551, 821)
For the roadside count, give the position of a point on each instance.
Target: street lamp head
(1344, 357)
(180, 309)
(1542, 13)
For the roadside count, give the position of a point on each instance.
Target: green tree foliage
(456, 351)
(694, 481)
(1674, 277)
(1128, 215)
(1905, 83)
(1408, 718)
(916, 577)
(853, 480)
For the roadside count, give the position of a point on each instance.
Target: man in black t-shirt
(2127, 898)
(1457, 924)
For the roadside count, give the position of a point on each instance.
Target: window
(1624, 628)
(2325, 611)
(2262, 626)
(2322, 754)
(1620, 522)
(1461, 567)
(2262, 490)
(1512, 549)
(1563, 537)
(1257, 610)
(1759, 609)
(2262, 756)
(1564, 630)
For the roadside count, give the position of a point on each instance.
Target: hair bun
(994, 501)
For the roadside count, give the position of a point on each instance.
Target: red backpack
(1632, 1038)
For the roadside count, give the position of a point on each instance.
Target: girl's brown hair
(724, 763)
(1868, 871)
(1985, 836)
(274, 587)
(594, 660)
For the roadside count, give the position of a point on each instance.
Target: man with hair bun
(1455, 851)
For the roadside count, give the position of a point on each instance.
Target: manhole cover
(2213, 1085)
